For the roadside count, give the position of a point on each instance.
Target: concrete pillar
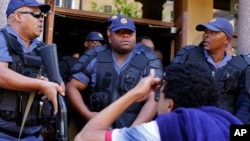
(3, 6)
(243, 27)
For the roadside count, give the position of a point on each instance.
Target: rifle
(48, 54)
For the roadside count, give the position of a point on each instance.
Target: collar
(224, 61)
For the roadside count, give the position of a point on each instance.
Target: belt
(16, 135)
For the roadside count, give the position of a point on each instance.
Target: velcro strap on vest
(139, 61)
(105, 57)
(196, 54)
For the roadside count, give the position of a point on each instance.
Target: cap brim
(203, 27)
(120, 27)
(43, 7)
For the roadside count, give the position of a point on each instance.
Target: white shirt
(144, 132)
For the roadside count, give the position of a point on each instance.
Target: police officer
(229, 73)
(18, 37)
(112, 72)
(94, 39)
(147, 41)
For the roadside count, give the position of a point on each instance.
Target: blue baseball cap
(94, 36)
(122, 23)
(15, 4)
(217, 24)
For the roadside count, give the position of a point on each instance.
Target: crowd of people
(118, 88)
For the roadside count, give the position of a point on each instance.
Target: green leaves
(119, 7)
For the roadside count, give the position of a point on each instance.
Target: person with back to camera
(230, 72)
(18, 78)
(186, 110)
(112, 72)
(92, 40)
(147, 41)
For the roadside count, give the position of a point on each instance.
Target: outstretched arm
(148, 110)
(96, 128)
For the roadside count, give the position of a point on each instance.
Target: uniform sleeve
(144, 132)
(91, 67)
(181, 55)
(4, 52)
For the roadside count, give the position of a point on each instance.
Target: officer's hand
(44, 78)
(50, 90)
(97, 43)
(146, 85)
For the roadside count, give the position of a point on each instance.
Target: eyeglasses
(36, 14)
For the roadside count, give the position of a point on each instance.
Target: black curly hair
(190, 85)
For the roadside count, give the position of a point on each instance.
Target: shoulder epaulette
(85, 59)
(187, 54)
(238, 62)
(154, 61)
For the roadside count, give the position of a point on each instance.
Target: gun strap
(29, 103)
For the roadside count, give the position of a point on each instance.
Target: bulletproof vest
(13, 103)
(110, 85)
(227, 77)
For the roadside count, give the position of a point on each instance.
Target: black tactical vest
(13, 103)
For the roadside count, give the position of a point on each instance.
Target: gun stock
(48, 54)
